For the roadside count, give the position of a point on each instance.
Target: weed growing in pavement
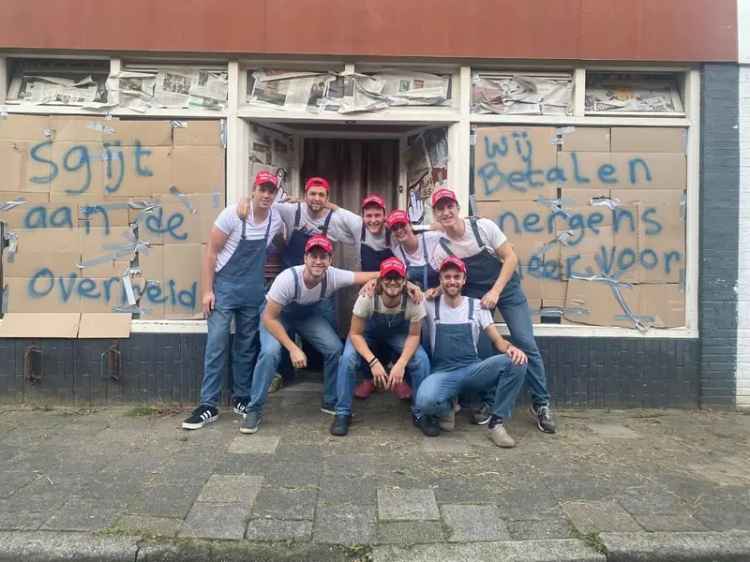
(591, 539)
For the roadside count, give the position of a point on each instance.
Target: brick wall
(743, 282)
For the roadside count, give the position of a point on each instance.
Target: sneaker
(340, 425)
(402, 391)
(239, 406)
(201, 416)
(543, 417)
(329, 409)
(448, 422)
(481, 415)
(364, 389)
(276, 383)
(427, 424)
(499, 436)
(251, 422)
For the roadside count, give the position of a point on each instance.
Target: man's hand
(490, 298)
(243, 208)
(368, 289)
(379, 376)
(396, 375)
(432, 294)
(209, 300)
(414, 292)
(298, 357)
(517, 356)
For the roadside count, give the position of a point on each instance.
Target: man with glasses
(391, 323)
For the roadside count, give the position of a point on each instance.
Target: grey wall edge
(719, 234)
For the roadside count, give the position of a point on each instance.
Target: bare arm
(356, 335)
(216, 241)
(362, 277)
(271, 322)
(507, 256)
(504, 346)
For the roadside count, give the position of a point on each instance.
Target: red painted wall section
(628, 30)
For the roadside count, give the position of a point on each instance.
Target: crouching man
(390, 322)
(295, 303)
(455, 322)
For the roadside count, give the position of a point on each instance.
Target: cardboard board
(78, 129)
(669, 197)
(27, 196)
(56, 249)
(637, 170)
(572, 197)
(48, 325)
(512, 163)
(12, 164)
(624, 255)
(649, 139)
(197, 169)
(104, 326)
(100, 294)
(140, 132)
(661, 244)
(50, 292)
(586, 254)
(598, 302)
(81, 168)
(151, 264)
(41, 215)
(665, 302)
(24, 128)
(174, 223)
(182, 280)
(586, 139)
(198, 133)
(142, 172)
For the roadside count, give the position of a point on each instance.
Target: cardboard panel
(56, 249)
(587, 254)
(668, 197)
(665, 302)
(40, 215)
(197, 169)
(27, 196)
(151, 264)
(598, 302)
(104, 326)
(78, 129)
(649, 139)
(661, 244)
(102, 214)
(142, 171)
(181, 287)
(638, 170)
(140, 132)
(98, 242)
(624, 255)
(513, 163)
(175, 223)
(525, 223)
(80, 168)
(198, 133)
(12, 162)
(24, 128)
(50, 325)
(49, 292)
(572, 197)
(100, 294)
(587, 139)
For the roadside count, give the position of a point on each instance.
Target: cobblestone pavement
(383, 487)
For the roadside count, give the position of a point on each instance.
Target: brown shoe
(500, 437)
(448, 423)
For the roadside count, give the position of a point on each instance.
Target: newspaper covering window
(522, 94)
(426, 160)
(57, 83)
(345, 92)
(637, 93)
(141, 89)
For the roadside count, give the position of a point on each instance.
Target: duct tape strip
(10, 243)
(131, 309)
(560, 132)
(223, 132)
(128, 286)
(603, 201)
(101, 127)
(8, 205)
(175, 124)
(641, 323)
(183, 198)
(560, 311)
(555, 204)
(3, 112)
(117, 252)
(48, 133)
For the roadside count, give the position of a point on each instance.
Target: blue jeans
(246, 321)
(497, 372)
(514, 308)
(417, 369)
(319, 333)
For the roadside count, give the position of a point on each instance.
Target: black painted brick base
(582, 372)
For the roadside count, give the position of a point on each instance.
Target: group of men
(427, 298)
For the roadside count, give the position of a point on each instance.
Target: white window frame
(457, 117)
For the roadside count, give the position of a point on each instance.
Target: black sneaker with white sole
(201, 416)
(239, 406)
(543, 417)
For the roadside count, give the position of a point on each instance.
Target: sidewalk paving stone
(290, 503)
(471, 523)
(215, 521)
(409, 532)
(79, 514)
(231, 488)
(278, 530)
(399, 504)
(149, 525)
(598, 516)
(539, 529)
(674, 522)
(253, 444)
(344, 524)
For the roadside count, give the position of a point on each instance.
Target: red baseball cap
(391, 265)
(319, 241)
(266, 177)
(373, 199)
(441, 194)
(317, 182)
(397, 217)
(455, 262)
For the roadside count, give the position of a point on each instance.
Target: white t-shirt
(282, 289)
(231, 225)
(364, 305)
(344, 226)
(458, 315)
(467, 246)
(431, 238)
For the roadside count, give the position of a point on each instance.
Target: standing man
(414, 249)
(294, 303)
(491, 268)
(455, 322)
(389, 322)
(233, 287)
(375, 239)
